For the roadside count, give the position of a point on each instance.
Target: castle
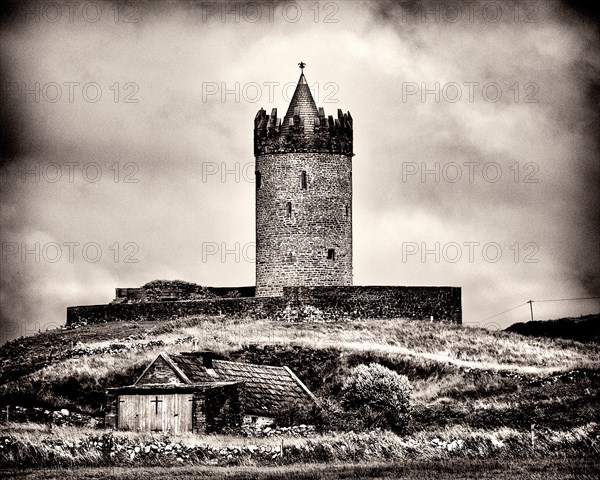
(303, 238)
(303, 196)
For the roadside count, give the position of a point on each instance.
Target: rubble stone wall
(323, 303)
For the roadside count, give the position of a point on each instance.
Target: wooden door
(153, 407)
(178, 413)
(128, 415)
(156, 413)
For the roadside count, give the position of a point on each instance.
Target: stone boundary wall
(441, 303)
(323, 303)
(174, 291)
(264, 307)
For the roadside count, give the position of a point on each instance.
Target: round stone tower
(303, 196)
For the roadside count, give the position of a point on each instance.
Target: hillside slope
(582, 329)
(461, 376)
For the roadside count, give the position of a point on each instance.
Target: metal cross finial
(302, 65)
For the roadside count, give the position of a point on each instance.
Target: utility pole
(530, 302)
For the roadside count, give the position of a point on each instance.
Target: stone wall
(305, 133)
(419, 303)
(231, 307)
(303, 196)
(256, 422)
(111, 410)
(198, 413)
(303, 221)
(223, 408)
(175, 290)
(159, 372)
(332, 303)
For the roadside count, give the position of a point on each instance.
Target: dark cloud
(11, 124)
(172, 133)
(588, 10)
(568, 86)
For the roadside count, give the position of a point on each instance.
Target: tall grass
(413, 340)
(38, 446)
(435, 356)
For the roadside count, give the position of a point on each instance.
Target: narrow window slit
(258, 179)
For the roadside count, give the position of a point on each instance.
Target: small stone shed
(194, 392)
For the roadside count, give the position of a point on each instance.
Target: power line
(530, 302)
(505, 311)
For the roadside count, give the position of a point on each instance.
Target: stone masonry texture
(303, 197)
(303, 235)
(335, 303)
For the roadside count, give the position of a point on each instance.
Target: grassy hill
(469, 384)
(459, 374)
(583, 329)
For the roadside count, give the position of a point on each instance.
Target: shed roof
(266, 388)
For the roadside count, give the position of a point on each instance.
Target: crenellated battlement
(301, 133)
(303, 196)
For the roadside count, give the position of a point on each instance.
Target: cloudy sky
(127, 146)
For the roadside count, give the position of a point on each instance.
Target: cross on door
(156, 401)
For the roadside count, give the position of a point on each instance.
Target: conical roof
(303, 105)
(310, 130)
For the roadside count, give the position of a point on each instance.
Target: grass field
(461, 376)
(481, 387)
(571, 469)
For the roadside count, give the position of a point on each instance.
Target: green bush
(326, 416)
(297, 413)
(378, 396)
(330, 416)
